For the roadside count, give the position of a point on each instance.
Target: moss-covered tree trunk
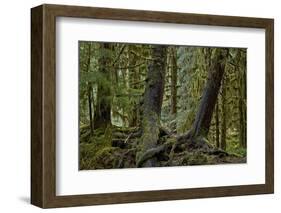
(90, 89)
(152, 103)
(201, 125)
(217, 126)
(223, 116)
(174, 82)
(102, 116)
(242, 97)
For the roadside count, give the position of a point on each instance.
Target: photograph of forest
(147, 105)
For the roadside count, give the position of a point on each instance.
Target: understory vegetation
(146, 105)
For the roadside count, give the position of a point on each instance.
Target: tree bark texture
(223, 118)
(90, 90)
(152, 103)
(174, 82)
(217, 126)
(208, 101)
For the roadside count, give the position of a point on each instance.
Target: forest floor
(116, 148)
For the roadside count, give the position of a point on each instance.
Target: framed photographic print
(135, 106)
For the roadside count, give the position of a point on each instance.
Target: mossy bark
(201, 125)
(152, 104)
(90, 89)
(217, 126)
(242, 98)
(174, 82)
(223, 122)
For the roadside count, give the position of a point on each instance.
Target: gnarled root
(197, 143)
(149, 154)
(154, 152)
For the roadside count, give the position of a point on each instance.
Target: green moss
(93, 156)
(171, 141)
(108, 157)
(105, 151)
(195, 158)
(98, 145)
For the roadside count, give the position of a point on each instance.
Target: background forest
(153, 105)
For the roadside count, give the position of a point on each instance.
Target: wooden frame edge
(154, 196)
(43, 180)
(36, 106)
(269, 137)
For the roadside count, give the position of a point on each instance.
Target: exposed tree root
(149, 154)
(191, 145)
(171, 150)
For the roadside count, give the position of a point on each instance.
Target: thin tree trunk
(174, 82)
(217, 126)
(102, 116)
(152, 104)
(90, 90)
(241, 123)
(90, 109)
(223, 123)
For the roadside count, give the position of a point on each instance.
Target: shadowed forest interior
(143, 105)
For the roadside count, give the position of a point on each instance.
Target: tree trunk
(223, 123)
(90, 89)
(102, 117)
(90, 109)
(217, 126)
(201, 125)
(152, 103)
(174, 82)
